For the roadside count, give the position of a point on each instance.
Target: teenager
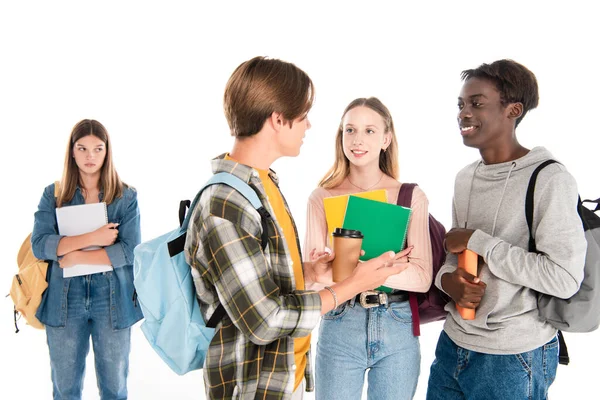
(507, 351)
(261, 347)
(375, 333)
(99, 305)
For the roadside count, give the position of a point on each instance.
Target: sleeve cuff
(310, 303)
(116, 255)
(482, 243)
(51, 247)
(446, 269)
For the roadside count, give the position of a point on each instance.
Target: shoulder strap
(529, 201)
(563, 355)
(245, 190)
(176, 246)
(405, 194)
(56, 189)
(234, 182)
(405, 200)
(597, 202)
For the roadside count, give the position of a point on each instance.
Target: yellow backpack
(29, 283)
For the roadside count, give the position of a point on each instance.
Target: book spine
(105, 213)
(403, 244)
(467, 260)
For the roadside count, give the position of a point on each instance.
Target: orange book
(467, 260)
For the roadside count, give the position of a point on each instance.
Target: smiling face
(364, 136)
(89, 153)
(483, 120)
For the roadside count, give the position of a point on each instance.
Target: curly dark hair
(515, 83)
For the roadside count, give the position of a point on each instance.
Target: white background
(154, 74)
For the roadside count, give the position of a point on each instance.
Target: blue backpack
(165, 290)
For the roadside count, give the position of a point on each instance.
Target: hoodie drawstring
(512, 166)
(471, 190)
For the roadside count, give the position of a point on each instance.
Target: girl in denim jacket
(99, 305)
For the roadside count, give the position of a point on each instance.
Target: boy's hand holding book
(463, 285)
(466, 290)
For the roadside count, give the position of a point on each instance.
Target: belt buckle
(381, 296)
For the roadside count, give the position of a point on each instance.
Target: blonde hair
(388, 160)
(261, 86)
(110, 183)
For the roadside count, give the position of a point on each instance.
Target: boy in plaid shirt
(261, 348)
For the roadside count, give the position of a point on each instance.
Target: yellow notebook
(335, 207)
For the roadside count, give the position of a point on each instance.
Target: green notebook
(383, 225)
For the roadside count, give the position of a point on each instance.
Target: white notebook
(77, 220)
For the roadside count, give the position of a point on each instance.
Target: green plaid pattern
(252, 353)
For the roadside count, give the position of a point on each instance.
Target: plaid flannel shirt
(251, 355)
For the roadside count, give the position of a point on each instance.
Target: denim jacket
(44, 241)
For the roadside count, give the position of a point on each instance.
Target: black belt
(372, 299)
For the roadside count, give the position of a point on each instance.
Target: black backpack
(581, 312)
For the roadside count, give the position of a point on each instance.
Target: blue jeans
(88, 313)
(353, 339)
(458, 373)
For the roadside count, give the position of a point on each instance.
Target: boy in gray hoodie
(507, 351)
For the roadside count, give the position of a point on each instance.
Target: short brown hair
(262, 86)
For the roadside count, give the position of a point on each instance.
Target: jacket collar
(79, 192)
(244, 172)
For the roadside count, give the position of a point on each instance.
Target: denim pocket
(338, 312)
(552, 344)
(400, 312)
(526, 360)
(550, 359)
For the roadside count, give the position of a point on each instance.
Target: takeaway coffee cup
(346, 244)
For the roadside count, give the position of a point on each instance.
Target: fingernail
(327, 249)
(476, 280)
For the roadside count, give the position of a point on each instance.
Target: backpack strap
(405, 194)
(563, 352)
(183, 206)
(529, 202)
(56, 189)
(176, 246)
(405, 200)
(597, 202)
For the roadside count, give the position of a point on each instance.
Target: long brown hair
(110, 183)
(388, 160)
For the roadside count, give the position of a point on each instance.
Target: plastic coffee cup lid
(350, 233)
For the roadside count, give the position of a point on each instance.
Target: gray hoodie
(491, 200)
